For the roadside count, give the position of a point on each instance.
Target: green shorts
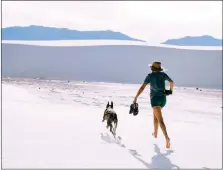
(158, 101)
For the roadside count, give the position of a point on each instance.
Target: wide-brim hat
(156, 66)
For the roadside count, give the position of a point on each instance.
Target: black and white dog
(111, 117)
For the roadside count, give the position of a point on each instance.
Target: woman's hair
(156, 69)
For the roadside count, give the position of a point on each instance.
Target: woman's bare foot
(155, 135)
(167, 142)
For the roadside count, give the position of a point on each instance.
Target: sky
(152, 21)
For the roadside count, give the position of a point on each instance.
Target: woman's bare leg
(156, 125)
(158, 115)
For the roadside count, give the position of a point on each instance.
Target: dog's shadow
(110, 139)
(105, 137)
(159, 161)
(135, 154)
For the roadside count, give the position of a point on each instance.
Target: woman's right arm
(170, 80)
(171, 85)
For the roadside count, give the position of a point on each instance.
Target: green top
(157, 83)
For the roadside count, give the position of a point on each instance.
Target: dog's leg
(111, 128)
(112, 131)
(108, 123)
(116, 124)
(104, 117)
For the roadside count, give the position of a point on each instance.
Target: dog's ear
(112, 105)
(107, 105)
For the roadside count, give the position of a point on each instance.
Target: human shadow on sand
(159, 161)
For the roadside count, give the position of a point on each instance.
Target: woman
(156, 79)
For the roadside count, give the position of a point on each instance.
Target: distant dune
(205, 40)
(34, 33)
(112, 63)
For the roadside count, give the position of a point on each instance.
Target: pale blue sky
(154, 22)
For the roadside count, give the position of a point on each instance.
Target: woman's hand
(135, 100)
(139, 92)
